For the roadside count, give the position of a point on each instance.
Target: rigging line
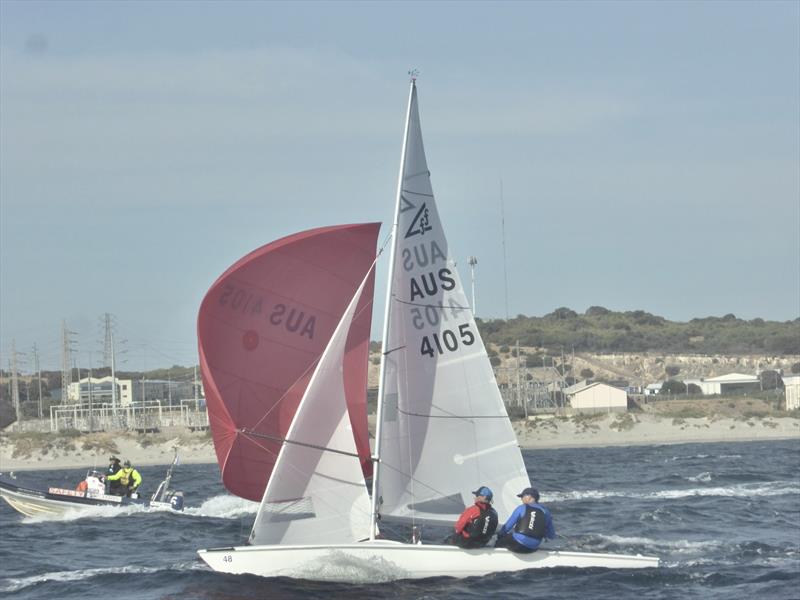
(442, 306)
(405, 191)
(417, 174)
(276, 455)
(296, 443)
(393, 350)
(423, 484)
(467, 417)
(385, 243)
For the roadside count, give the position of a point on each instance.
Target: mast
(384, 350)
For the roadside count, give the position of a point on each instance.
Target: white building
(599, 397)
(792, 389)
(732, 383)
(653, 389)
(99, 390)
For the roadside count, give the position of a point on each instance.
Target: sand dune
(544, 432)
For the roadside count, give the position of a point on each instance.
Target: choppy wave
(704, 477)
(13, 584)
(682, 458)
(775, 488)
(702, 457)
(604, 541)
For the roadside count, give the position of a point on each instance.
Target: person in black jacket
(477, 524)
(528, 526)
(114, 486)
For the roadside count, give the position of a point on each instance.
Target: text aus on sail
(431, 307)
(294, 320)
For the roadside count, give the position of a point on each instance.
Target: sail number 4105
(446, 341)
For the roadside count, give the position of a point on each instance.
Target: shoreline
(545, 432)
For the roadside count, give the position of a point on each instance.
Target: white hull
(31, 506)
(389, 561)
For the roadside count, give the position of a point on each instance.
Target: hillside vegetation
(600, 330)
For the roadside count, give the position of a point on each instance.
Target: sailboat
(298, 440)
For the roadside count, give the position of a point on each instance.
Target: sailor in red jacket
(476, 525)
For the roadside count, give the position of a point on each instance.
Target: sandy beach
(627, 429)
(636, 429)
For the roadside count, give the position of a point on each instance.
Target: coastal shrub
(691, 413)
(100, 444)
(623, 422)
(579, 418)
(672, 386)
(587, 421)
(533, 360)
(753, 414)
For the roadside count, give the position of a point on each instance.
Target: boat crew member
(528, 525)
(114, 485)
(128, 477)
(477, 524)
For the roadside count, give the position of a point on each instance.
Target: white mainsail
(444, 430)
(317, 490)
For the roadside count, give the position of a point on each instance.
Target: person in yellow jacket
(128, 477)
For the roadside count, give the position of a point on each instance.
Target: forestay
(445, 430)
(317, 490)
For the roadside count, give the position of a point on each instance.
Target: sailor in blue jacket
(527, 526)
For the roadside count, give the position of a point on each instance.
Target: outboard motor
(177, 501)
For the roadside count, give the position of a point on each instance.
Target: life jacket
(82, 486)
(482, 528)
(532, 523)
(127, 476)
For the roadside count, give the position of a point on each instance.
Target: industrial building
(734, 384)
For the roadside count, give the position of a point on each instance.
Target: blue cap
(529, 492)
(483, 491)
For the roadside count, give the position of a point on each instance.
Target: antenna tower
(66, 360)
(472, 261)
(503, 232)
(37, 367)
(14, 380)
(108, 342)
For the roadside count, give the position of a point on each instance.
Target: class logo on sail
(420, 223)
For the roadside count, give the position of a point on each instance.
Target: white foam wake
(677, 545)
(88, 512)
(224, 507)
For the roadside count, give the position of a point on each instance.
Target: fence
(142, 417)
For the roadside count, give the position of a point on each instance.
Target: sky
(631, 155)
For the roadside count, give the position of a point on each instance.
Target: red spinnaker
(261, 330)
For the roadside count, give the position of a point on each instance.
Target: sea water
(724, 518)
